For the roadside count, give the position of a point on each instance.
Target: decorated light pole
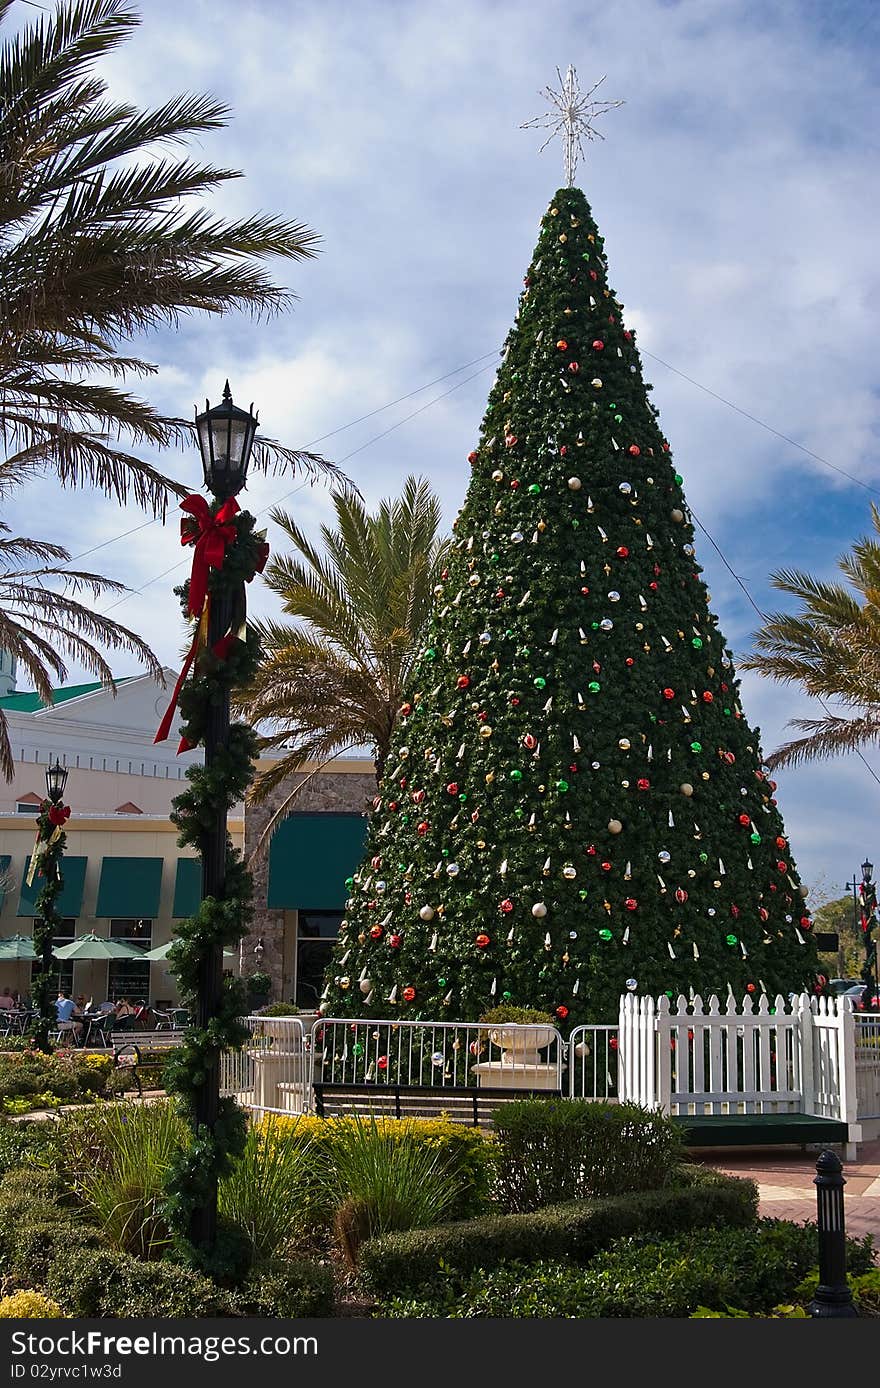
(228, 552)
(868, 921)
(46, 863)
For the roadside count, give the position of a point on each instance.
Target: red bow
(58, 815)
(212, 536)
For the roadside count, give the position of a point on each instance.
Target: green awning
(187, 888)
(310, 857)
(130, 888)
(5, 861)
(69, 903)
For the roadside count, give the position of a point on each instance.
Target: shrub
(379, 1181)
(287, 1289)
(270, 1193)
(575, 1231)
(106, 1283)
(550, 1150)
(496, 1016)
(22, 1305)
(280, 1009)
(122, 1180)
(865, 1288)
(638, 1278)
(27, 1144)
(466, 1153)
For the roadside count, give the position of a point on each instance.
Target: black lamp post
(868, 920)
(56, 780)
(226, 436)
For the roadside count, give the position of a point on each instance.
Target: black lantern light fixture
(259, 949)
(56, 780)
(226, 437)
(867, 870)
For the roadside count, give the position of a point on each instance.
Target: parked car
(852, 988)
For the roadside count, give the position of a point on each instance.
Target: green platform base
(758, 1129)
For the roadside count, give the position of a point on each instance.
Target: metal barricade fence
(439, 1055)
(592, 1062)
(867, 1047)
(271, 1072)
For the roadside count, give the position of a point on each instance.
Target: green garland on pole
(48, 852)
(218, 922)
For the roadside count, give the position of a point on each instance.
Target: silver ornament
(624, 488)
(614, 596)
(632, 984)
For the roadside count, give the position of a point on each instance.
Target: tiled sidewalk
(786, 1190)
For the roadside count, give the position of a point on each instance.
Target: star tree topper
(571, 115)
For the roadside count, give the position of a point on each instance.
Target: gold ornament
(485, 731)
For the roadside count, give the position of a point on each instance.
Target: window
(28, 804)
(63, 978)
(130, 978)
(316, 934)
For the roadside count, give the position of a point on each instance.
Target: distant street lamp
(56, 780)
(46, 860)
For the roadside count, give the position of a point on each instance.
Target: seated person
(107, 1006)
(7, 1001)
(66, 1009)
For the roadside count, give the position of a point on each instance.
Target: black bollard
(833, 1296)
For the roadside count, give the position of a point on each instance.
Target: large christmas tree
(574, 804)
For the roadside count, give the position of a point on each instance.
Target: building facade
(124, 875)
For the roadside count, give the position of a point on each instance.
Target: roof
(32, 703)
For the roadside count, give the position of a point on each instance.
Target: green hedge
(753, 1268)
(575, 1231)
(554, 1150)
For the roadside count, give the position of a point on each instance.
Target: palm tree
(101, 240)
(334, 679)
(39, 624)
(832, 650)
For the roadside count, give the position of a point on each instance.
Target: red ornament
(585, 591)
(669, 693)
(591, 850)
(598, 345)
(562, 1012)
(653, 586)
(594, 276)
(622, 552)
(514, 703)
(514, 485)
(510, 440)
(393, 805)
(613, 1043)
(376, 862)
(634, 450)
(643, 783)
(708, 696)
(782, 867)
(418, 796)
(506, 906)
(58, 815)
(482, 941)
(562, 345)
(409, 993)
(403, 783)
(606, 867)
(405, 710)
(472, 458)
(482, 716)
(750, 987)
(452, 788)
(376, 932)
(763, 913)
(631, 904)
(563, 450)
(463, 682)
(772, 785)
(627, 335)
(573, 367)
(734, 911)
(729, 758)
(629, 661)
(382, 1062)
(395, 941)
(681, 895)
(806, 923)
(780, 842)
(530, 741)
(724, 687)
(744, 820)
(422, 828)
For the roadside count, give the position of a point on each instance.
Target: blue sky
(737, 191)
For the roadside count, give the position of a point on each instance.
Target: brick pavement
(785, 1183)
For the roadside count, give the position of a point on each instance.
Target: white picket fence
(796, 1056)
(807, 1055)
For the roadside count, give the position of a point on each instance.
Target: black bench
(472, 1106)
(127, 1046)
(759, 1129)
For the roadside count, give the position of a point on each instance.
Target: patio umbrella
(17, 947)
(161, 952)
(96, 947)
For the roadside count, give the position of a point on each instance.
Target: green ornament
(430, 653)
(583, 893)
(357, 1048)
(696, 746)
(562, 786)
(595, 626)
(594, 686)
(679, 479)
(534, 489)
(704, 857)
(493, 558)
(755, 838)
(605, 934)
(618, 418)
(445, 852)
(731, 940)
(540, 682)
(697, 643)
(519, 812)
(505, 997)
(463, 796)
(441, 982)
(349, 882)
(516, 774)
(404, 819)
(668, 992)
(727, 713)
